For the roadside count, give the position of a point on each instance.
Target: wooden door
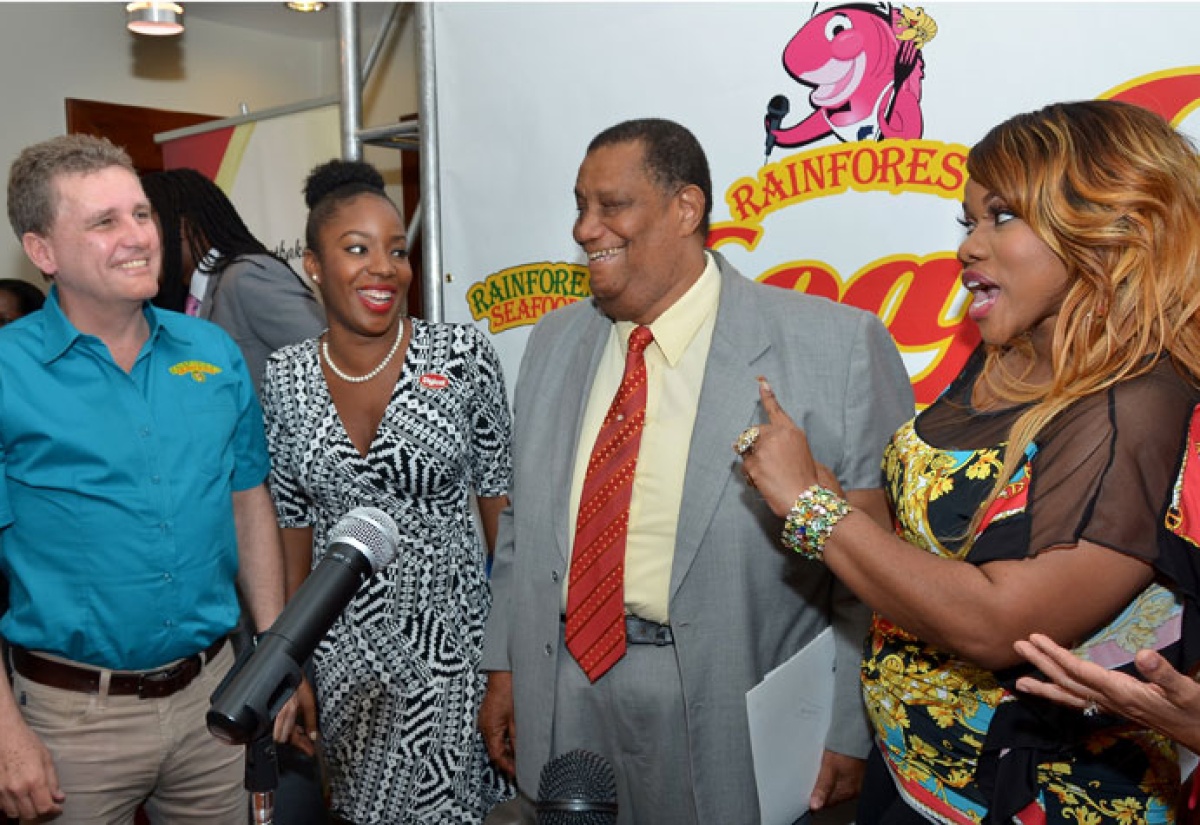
(132, 127)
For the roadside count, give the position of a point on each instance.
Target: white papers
(790, 713)
(1187, 762)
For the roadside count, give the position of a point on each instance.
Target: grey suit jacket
(264, 306)
(739, 604)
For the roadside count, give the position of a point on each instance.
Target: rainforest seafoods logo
(520, 295)
(919, 166)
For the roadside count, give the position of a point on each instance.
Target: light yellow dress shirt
(675, 363)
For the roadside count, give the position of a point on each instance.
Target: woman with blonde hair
(1048, 490)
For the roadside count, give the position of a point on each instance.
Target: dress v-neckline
(405, 372)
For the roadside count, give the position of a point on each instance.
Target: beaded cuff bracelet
(812, 518)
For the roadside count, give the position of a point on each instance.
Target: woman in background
(1041, 493)
(17, 299)
(410, 417)
(215, 268)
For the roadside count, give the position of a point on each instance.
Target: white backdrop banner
(859, 194)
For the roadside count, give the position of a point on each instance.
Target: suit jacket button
(549, 650)
(554, 575)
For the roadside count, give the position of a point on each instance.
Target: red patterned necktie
(596, 588)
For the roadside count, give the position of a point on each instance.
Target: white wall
(52, 51)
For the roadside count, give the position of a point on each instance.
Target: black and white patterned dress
(398, 678)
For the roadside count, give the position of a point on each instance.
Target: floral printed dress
(1120, 469)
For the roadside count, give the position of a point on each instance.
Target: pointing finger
(775, 413)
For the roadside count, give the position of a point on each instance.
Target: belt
(144, 684)
(640, 631)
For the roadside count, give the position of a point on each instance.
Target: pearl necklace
(359, 379)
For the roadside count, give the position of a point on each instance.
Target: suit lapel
(582, 363)
(728, 404)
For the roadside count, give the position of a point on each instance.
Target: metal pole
(248, 117)
(409, 130)
(414, 221)
(350, 84)
(385, 31)
(431, 201)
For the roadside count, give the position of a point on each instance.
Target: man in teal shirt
(132, 505)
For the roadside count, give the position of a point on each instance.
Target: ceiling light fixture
(154, 18)
(305, 6)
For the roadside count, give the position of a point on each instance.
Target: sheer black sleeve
(1104, 471)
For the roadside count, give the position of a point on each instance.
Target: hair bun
(336, 174)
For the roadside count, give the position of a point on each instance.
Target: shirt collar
(678, 325)
(61, 334)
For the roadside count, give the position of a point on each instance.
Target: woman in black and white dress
(411, 417)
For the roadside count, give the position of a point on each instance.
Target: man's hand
(28, 782)
(496, 721)
(839, 779)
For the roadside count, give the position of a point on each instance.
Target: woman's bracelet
(812, 518)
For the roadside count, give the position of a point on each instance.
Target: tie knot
(640, 338)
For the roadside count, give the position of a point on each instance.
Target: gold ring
(749, 480)
(745, 441)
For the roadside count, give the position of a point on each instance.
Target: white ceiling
(279, 19)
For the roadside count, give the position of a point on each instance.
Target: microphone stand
(262, 778)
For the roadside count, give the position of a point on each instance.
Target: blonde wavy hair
(1114, 191)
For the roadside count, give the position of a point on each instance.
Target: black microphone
(777, 110)
(244, 705)
(577, 788)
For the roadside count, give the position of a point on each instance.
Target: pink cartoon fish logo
(864, 63)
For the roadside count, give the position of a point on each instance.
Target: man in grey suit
(712, 602)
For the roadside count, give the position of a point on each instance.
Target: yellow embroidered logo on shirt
(199, 370)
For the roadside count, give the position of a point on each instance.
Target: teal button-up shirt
(116, 514)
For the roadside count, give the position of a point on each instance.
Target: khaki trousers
(114, 753)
